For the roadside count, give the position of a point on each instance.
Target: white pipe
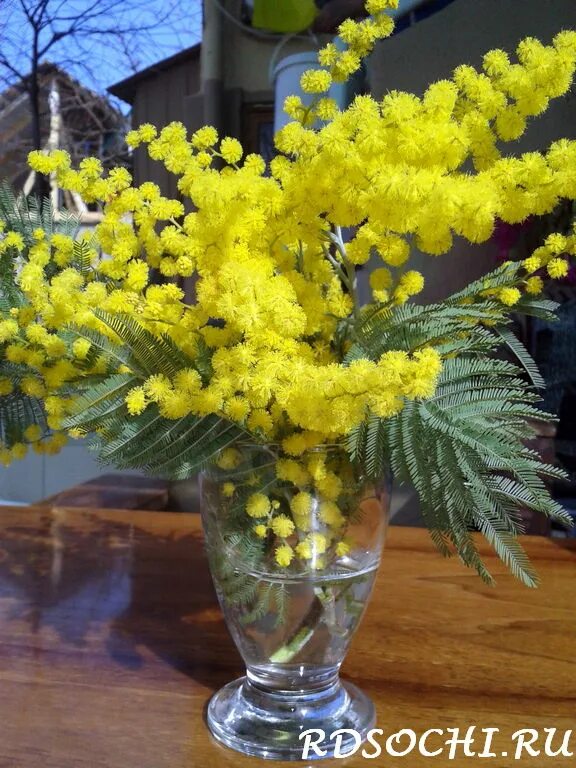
(286, 73)
(211, 64)
(211, 49)
(54, 137)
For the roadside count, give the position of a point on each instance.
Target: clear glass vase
(294, 545)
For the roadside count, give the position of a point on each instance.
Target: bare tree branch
(42, 39)
(4, 62)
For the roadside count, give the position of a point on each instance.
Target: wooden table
(113, 491)
(111, 643)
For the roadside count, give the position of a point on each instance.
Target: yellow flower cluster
(553, 257)
(35, 438)
(306, 512)
(275, 278)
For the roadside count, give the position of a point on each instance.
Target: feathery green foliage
(464, 449)
(171, 448)
(17, 413)
(257, 597)
(22, 215)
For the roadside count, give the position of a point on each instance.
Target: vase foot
(269, 724)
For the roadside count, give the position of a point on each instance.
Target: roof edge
(125, 89)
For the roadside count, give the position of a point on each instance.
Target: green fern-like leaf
(464, 452)
(22, 215)
(99, 406)
(171, 448)
(25, 214)
(149, 354)
(464, 449)
(523, 356)
(17, 413)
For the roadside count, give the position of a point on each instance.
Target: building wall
(247, 88)
(249, 59)
(162, 99)
(37, 477)
(461, 34)
(428, 50)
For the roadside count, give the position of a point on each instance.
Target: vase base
(270, 724)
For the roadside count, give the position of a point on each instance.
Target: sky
(115, 37)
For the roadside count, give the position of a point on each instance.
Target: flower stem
(350, 278)
(290, 649)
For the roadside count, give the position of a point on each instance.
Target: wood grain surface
(111, 643)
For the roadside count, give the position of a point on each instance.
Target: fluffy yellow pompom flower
(41, 162)
(228, 490)
(230, 458)
(258, 505)
(376, 6)
(315, 81)
(330, 486)
(534, 285)
(284, 555)
(393, 250)
(293, 106)
(330, 514)
(301, 504)
(132, 138)
(328, 55)
(318, 542)
(14, 240)
(231, 150)
(282, 526)
(54, 422)
(304, 550)
(295, 445)
(510, 124)
(188, 381)
(557, 268)
(509, 296)
(326, 109)
(6, 387)
(237, 408)
(556, 243)
(205, 137)
(293, 471)
(316, 465)
(532, 264)
(496, 62)
(8, 330)
(342, 548)
(80, 348)
(260, 530)
(32, 387)
(380, 279)
(137, 276)
(147, 132)
(136, 401)
(412, 282)
(33, 433)
(19, 450)
(260, 420)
